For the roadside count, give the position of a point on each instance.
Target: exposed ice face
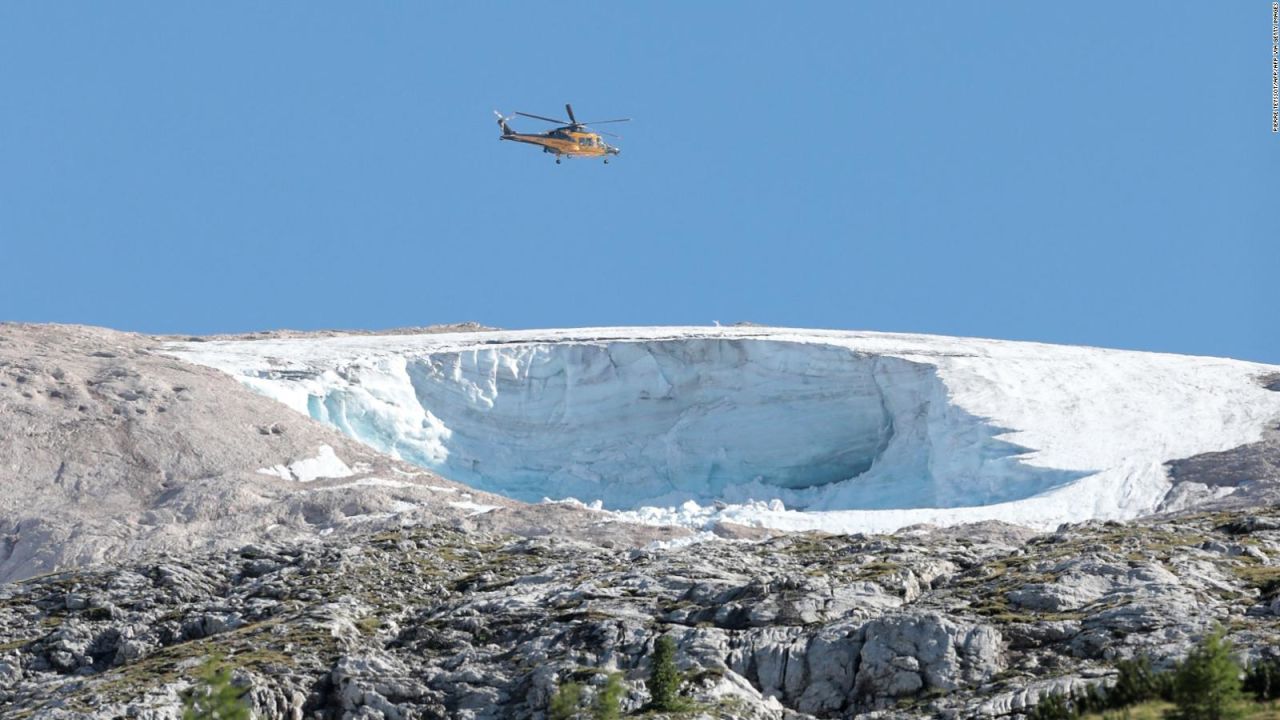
(645, 423)
(865, 431)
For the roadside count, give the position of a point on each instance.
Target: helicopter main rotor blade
(539, 117)
(604, 122)
(569, 108)
(602, 132)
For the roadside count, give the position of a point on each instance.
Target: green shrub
(564, 704)
(1201, 686)
(608, 702)
(1206, 686)
(1091, 699)
(1053, 707)
(664, 676)
(1137, 683)
(1263, 679)
(215, 697)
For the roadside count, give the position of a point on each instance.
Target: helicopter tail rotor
(502, 123)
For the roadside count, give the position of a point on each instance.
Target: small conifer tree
(215, 697)
(664, 676)
(564, 704)
(1263, 679)
(608, 702)
(1206, 686)
(1053, 707)
(1137, 682)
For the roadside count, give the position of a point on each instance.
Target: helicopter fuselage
(568, 143)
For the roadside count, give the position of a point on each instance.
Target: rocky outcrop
(441, 622)
(903, 655)
(1241, 477)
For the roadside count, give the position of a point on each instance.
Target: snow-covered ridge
(864, 431)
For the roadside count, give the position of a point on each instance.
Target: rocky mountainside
(159, 518)
(109, 448)
(451, 621)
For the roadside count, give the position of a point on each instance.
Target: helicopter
(572, 139)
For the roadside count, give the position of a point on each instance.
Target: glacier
(786, 428)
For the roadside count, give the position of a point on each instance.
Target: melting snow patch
(475, 507)
(683, 542)
(325, 465)
(370, 517)
(280, 471)
(691, 514)
(370, 482)
(593, 505)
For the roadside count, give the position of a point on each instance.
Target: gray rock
(903, 654)
(1072, 592)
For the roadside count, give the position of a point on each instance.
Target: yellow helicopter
(572, 139)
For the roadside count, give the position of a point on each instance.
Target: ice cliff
(860, 431)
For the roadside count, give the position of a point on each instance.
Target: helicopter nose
(615, 151)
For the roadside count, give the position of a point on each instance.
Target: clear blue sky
(1097, 173)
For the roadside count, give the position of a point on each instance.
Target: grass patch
(1263, 577)
(15, 644)
(876, 569)
(1146, 711)
(1158, 709)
